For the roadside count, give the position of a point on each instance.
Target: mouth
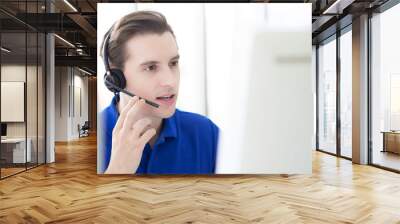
(166, 99)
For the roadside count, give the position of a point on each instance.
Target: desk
(391, 141)
(16, 151)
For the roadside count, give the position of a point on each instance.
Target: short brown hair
(133, 24)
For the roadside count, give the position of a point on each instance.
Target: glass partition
(22, 89)
(13, 105)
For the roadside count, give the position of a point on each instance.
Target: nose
(168, 77)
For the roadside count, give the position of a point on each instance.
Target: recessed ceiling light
(64, 40)
(338, 6)
(5, 50)
(84, 71)
(70, 5)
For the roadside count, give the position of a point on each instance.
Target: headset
(114, 79)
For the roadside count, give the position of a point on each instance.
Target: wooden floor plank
(70, 191)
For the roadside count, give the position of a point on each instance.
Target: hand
(129, 137)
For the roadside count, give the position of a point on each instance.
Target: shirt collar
(169, 127)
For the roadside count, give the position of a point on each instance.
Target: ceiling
(77, 25)
(76, 21)
(329, 16)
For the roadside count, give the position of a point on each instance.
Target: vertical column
(360, 90)
(50, 92)
(338, 91)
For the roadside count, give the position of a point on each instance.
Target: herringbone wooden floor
(70, 191)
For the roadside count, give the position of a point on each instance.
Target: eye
(151, 68)
(174, 63)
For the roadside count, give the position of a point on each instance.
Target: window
(327, 97)
(385, 89)
(346, 94)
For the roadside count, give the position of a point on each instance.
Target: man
(138, 138)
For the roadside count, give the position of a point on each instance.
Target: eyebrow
(156, 62)
(175, 58)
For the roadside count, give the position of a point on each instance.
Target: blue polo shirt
(187, 144)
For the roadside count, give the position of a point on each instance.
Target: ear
(117, 78)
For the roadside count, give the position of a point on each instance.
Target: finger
(146, 137)
(140, 126)
(124, 112)
(122, 115)
(131, 114)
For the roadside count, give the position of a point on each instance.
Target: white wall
(33, 126)
(17, 73)
(66, 121)
(82, 83)
(61, 103)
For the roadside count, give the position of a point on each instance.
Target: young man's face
(152, 71)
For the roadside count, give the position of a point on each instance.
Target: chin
(169, 112)
(165, 112)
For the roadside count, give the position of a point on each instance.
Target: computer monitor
(3, 129)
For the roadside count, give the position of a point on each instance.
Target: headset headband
(105, 52)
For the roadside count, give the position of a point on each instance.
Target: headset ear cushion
(119, 75)
(117, 78)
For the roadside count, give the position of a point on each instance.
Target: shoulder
(106, 111)
(106, 115)
(108, 118)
